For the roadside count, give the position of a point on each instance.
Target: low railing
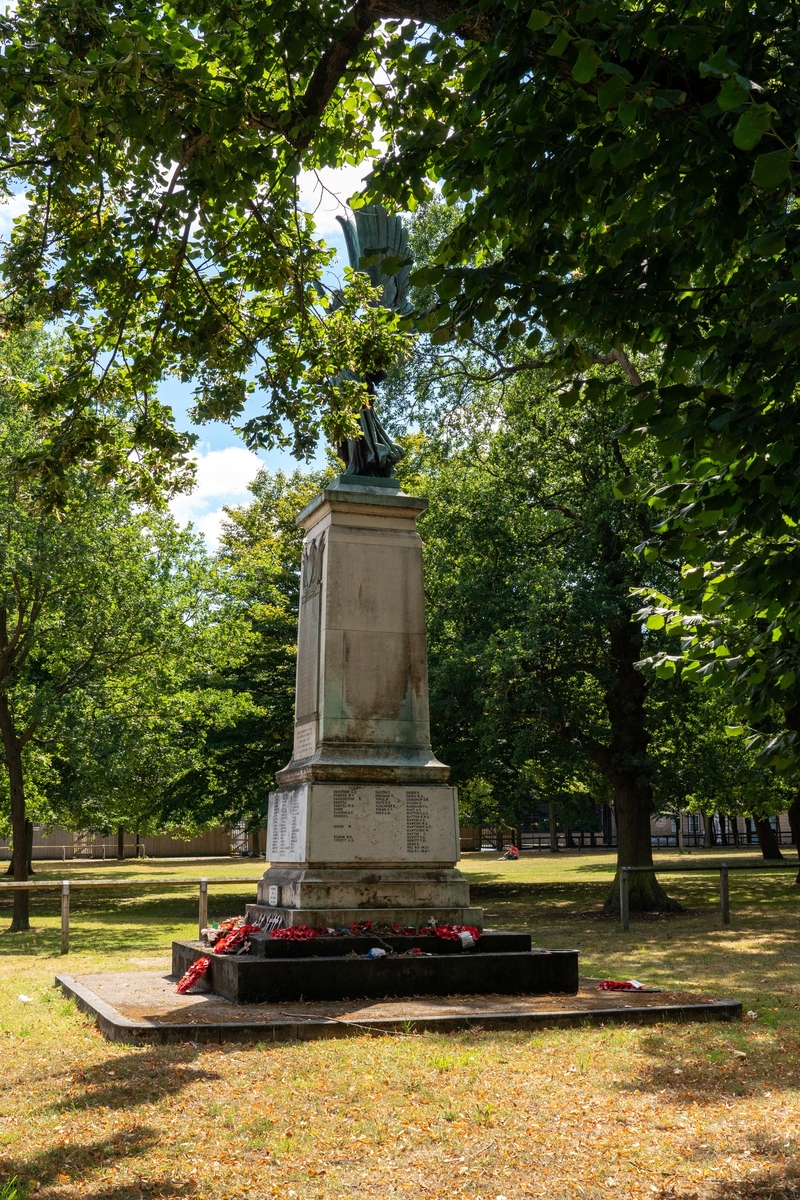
(724, 895)
(486, 839)
(66, 887)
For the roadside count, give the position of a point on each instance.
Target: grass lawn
(663, 1112)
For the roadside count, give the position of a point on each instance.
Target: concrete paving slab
(143, 1006)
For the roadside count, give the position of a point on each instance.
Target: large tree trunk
(794, 825)
(19, 824)
(624, 763)
(770, 847)
(633, 805)
(793, 722)
(120, 842)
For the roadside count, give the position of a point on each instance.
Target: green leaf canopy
(627, 175)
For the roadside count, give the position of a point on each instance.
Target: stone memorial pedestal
(363, 826)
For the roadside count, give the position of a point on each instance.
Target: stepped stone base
(141, 1007)
(247, 979)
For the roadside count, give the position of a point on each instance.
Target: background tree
(239, 728)
(85, 590)
(532, 559)
(530, 564)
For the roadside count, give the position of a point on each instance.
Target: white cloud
(325, 194)
(211, 527)
(222, 479)
(13, 206)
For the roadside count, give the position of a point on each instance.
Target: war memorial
(362, 919)
(363, 832)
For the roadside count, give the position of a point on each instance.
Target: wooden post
(202, 914)
(65, 917)
(624, 907)
(724, 898)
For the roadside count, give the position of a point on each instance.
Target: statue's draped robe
(371, 235)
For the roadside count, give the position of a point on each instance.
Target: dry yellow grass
(672, 1111)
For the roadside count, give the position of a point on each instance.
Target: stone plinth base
(246, 979)
(364, 852)
(355, 824)
(338, 896)
(342, 918)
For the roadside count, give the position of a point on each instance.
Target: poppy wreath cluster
(232, 936)
(620, 985)
(236, 938)
(297, 933)
(452, 933)
(305, 933)
(195, 973)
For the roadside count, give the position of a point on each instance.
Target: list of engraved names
(346, 823)
(418, 823)
(343, 810)
(286, 826)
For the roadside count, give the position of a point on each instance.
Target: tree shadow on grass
(547, 896)
(79, 1160)
(780, 1183)
(129, 1081)
(713, 1064)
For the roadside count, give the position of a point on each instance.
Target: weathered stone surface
(338, 917)
(142, 1007)
(359, 887)
(362, 675)
(362, 826)
(360, 823)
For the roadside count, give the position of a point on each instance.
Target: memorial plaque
(418, 822)
(305, 740)
(273, 895)
(382, 824)
(286, 828)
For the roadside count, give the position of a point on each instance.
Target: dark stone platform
(326, 969)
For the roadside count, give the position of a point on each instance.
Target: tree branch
(474, 26)
(618, 356)
(330, 68)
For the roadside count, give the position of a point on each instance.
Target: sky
(225, 466)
